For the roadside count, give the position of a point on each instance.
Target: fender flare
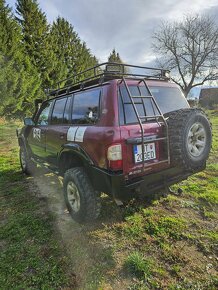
(78, 151)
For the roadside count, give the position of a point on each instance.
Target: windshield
(169, 98)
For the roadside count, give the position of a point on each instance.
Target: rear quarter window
(86, 107)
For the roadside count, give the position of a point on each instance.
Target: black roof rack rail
(108, 70)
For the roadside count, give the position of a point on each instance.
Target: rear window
(145, 106)
(86, 107)
(169, 98)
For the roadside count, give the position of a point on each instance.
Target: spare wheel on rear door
(190, 138)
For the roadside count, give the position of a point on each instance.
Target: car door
(56, 135)
(37, 136)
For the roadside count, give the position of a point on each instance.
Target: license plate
(149, 152)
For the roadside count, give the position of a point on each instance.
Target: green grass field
(171, 243)
(30, 251)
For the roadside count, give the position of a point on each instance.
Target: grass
(172, 243)
(138, 265)
(31, 255)
(155, 224)
(168, 244)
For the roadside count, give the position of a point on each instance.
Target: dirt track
(78, 241)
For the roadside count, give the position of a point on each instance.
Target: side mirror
(28, 122)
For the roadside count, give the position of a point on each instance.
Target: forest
(34, 55)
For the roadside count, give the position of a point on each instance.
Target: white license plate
(149, 152)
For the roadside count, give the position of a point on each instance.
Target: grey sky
(126, 25)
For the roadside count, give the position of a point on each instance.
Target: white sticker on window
(80, 134)
(71, 133)
(90, 114)
(37, 133)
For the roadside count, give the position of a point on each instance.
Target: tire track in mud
(77, 240)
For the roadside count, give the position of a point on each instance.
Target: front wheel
(82, 201)
(26, 164)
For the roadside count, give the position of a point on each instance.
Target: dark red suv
(119, 129)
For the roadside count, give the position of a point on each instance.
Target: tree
(19, 82)
(34, 55)
(114, 57)
(36, 39)
(72, 54)
(85, 58)
(190, 48)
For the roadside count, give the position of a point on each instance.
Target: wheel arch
(73, 155)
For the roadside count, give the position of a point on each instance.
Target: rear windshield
(145, 106)
(169, 98)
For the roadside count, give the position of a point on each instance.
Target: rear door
(73, 119)
(131, 131)
(57, 132)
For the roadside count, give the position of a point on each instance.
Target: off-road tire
(27, 165)
(180, 123)
(90, 205)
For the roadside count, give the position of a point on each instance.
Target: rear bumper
(118, 187)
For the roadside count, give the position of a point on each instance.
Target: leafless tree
(190, 49)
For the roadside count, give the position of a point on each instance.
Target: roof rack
(106, 71)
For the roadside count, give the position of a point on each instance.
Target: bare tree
(190, 48)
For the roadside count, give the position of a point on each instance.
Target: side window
(66, 119)
(86, 107)
(44, 114)
(58, 111)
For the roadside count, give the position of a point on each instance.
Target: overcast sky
(126, 25)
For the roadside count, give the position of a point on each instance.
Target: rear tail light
(114, 156)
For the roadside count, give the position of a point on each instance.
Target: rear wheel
(82, 201)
